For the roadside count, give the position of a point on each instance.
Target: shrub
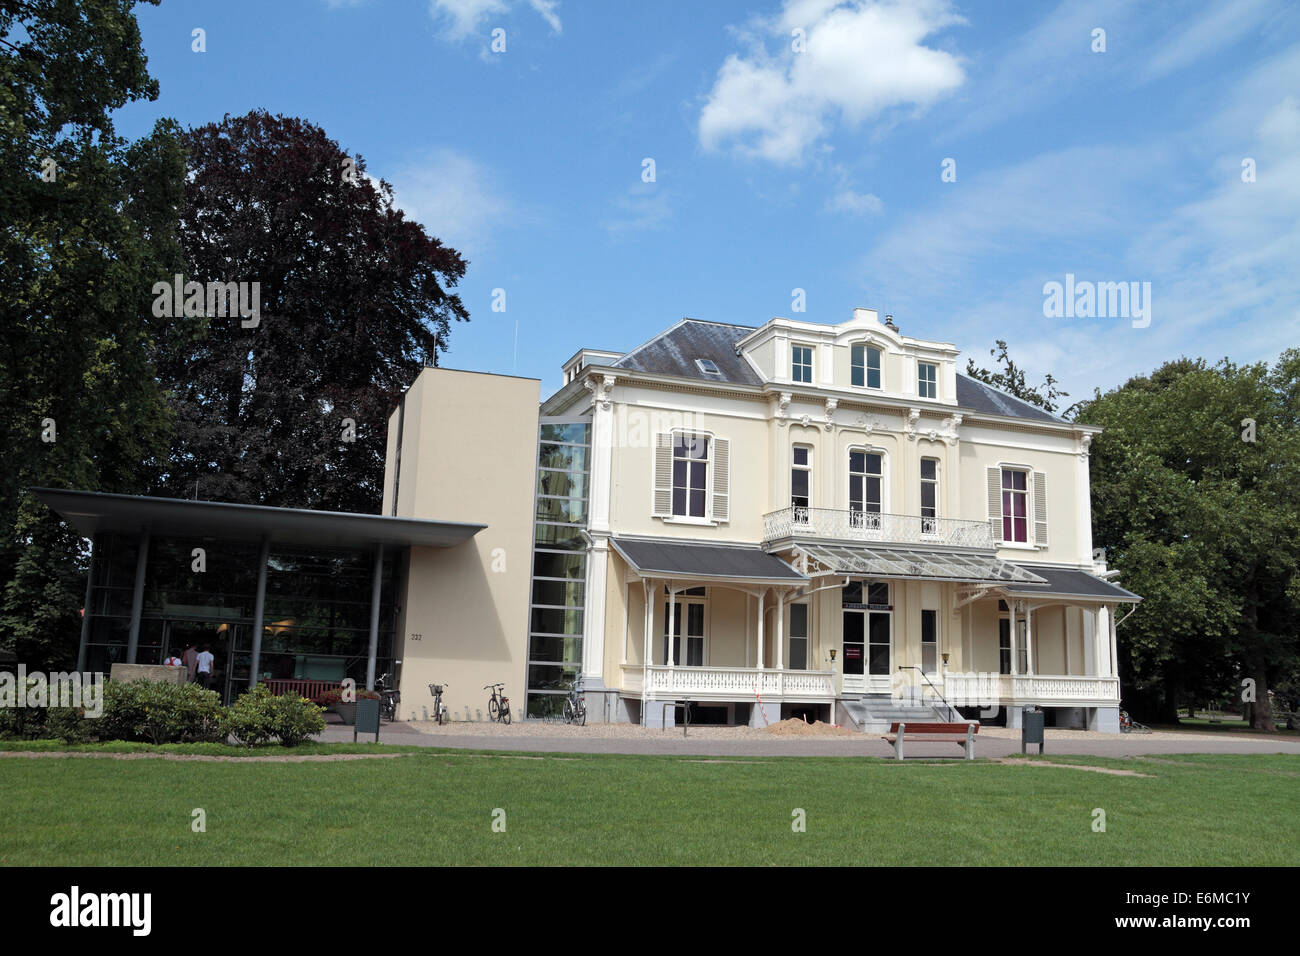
(70, 724)
(259, 715)
(296, 719)
(159, 712)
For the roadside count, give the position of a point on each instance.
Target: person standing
(191, 659)
(203, 667)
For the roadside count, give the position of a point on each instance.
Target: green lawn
(435, 808)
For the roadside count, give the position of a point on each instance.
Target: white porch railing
(983, 689)
(874, 526)
(660, 682)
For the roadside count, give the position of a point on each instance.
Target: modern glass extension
(558, 601)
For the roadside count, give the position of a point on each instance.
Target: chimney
(889, 323)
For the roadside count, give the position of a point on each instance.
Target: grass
(436, 808)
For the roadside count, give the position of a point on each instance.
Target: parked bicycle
(498, 704)
(389, 698)
(439, 711)
(575, 705)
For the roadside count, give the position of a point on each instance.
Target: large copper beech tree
(289, 406)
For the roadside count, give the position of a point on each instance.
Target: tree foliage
(88, 221)
(354, 299)
(1196, 497)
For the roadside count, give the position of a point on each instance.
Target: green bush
(70, 724)
(259, 716)
(160, 713)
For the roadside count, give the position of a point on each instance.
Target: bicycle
(498, 705)
(388, 699)
(439, 711)
(575, 705)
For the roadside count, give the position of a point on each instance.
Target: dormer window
(866, 366)
(927, 380)
(707, 366)
(801, 362)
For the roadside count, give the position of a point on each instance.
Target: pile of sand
(797, 727)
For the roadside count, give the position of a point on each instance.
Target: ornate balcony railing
(727, 683)
(852, 525)
(988, 690)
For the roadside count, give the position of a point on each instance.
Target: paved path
(998, 743)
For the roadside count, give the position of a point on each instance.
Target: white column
(593, 625)
(1015, 649)
(1029, 640)
(1114, 644)
(1102, 637)
(1083, 495)
(672, 623)
(1091, 663)
(761, 595)
(627, 613)
(649, 626)
(780, 630)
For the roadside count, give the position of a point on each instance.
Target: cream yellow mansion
(752, 522)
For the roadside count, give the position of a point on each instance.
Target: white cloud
(464, 17)
(1197, 38)
(862, 58)
(855, 203)
(643, 207)
(453, 197)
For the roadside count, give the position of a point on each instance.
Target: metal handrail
(952, 711)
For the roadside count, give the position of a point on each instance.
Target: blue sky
(818, 169)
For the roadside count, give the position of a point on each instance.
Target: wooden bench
(961, 734)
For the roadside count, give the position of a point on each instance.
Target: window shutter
(663, 483)
(995, 502)
(1040, 509)
(721, 479)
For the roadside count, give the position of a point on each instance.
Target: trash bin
(1031, 728)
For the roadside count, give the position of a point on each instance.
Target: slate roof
(674, 352)
(1071, 582)
(695, 559)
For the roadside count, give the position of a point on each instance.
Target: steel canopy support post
(259, 613)
(137, 598)
(376, 586)
(85, 611)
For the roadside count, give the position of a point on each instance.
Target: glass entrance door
(867, 639)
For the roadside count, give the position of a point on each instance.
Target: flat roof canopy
(697, 560)
(909, 564)
(92, 512)
(1072, 583)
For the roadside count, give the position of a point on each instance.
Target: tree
(1196, 497)
(88, 221)
(1011, 379)
(353, 301)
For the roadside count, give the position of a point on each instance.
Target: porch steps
(873, 714)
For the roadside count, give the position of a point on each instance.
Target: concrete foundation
(157, 672)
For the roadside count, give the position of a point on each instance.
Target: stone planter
(348, 712)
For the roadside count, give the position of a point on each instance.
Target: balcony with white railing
(1048, 690)
(659, 682)
(874, 526)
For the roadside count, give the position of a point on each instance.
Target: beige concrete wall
(469, 454)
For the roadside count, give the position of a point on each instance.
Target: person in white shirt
(173, 661)
(203, 667)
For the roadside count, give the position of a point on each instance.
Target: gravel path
(545, 736)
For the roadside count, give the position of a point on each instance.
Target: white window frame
(682, 598)
(1028, 470)
(791, 638)
(809, 468)
(812, 363)
(884, 476)
(937, 482)
(866, 346)
(922, 381)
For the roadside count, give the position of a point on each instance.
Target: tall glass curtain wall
(555, 618)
